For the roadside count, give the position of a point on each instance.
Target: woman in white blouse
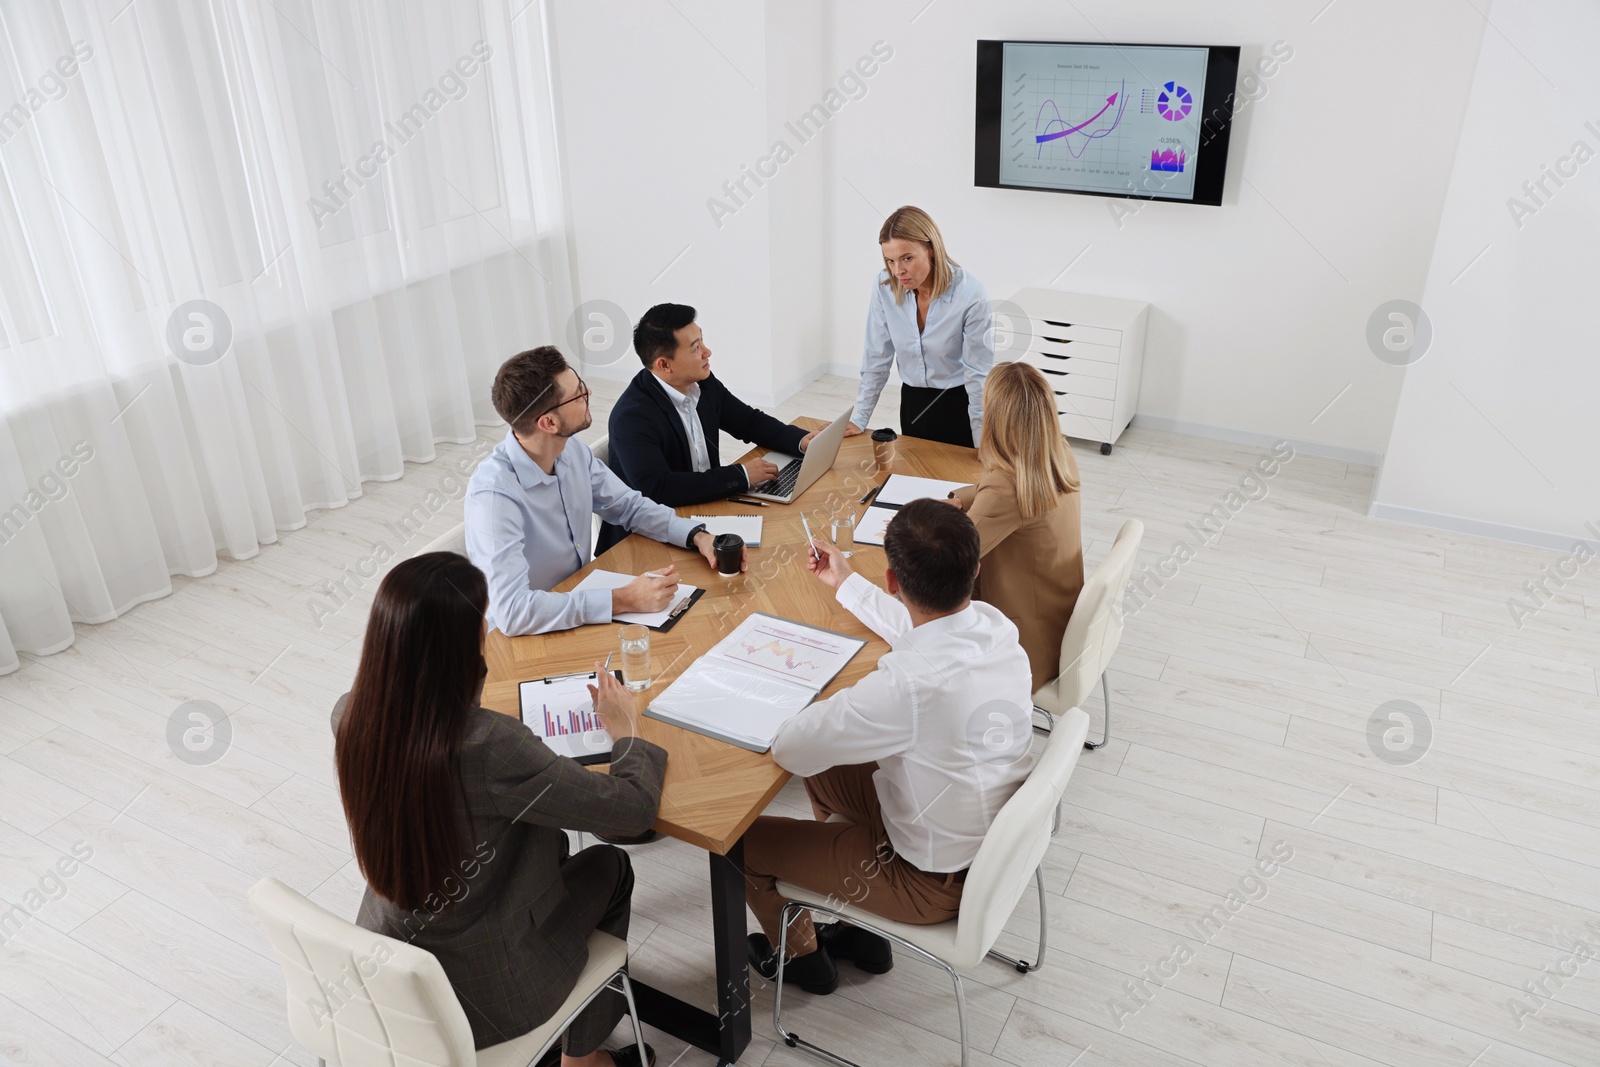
(939, 339)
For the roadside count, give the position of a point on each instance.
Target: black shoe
(814, 972)
(630, 1057)
(866, 950)
(639, 839)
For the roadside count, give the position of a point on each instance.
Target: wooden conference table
(713, 790)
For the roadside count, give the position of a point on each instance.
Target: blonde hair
(914, 224)
(1022, 436)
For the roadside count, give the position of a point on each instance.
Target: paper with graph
(754, 680)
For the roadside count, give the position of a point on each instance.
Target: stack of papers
(899, 489)
(754, 680)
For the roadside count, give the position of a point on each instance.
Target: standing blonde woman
(1027, 508)
(938, 338)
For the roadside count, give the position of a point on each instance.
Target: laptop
(796, 473)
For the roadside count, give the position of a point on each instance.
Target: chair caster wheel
(1105, 448)
(1023, 968)
(792, 1040)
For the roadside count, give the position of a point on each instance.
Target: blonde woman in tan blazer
(1027, 510)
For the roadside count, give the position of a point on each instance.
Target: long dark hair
(397, 743)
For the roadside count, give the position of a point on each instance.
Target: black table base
(726, 1032)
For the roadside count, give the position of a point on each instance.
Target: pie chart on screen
(1174, 102)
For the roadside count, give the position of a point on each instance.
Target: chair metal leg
(796, 1041)
(1105, 691)
(1023, 966)
(1049, 720)
(633, 1012)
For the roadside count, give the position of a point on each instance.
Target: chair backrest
(454, 540)
(357, 998)
(602, 449)
(1095, 629)
(1015, 844)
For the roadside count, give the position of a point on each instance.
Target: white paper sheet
(613, 580)
(746, 526)
(560, 711)
(873, 522)
(903, 488)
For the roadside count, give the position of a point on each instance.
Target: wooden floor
(1415, 903)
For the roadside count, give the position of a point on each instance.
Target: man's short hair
(525, 386)
(655, 334)
(933, 551)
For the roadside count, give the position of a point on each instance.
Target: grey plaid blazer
(490, 926)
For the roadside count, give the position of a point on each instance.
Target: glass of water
(635, 657)
(844, 531)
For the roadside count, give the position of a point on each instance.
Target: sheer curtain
(252, 254)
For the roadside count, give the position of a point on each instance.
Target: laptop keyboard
(783, 484)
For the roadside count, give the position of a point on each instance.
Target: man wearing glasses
(530, 501)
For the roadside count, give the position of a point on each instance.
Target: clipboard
(678, 611)
(583, 748)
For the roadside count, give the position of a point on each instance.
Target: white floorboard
(1419, 900)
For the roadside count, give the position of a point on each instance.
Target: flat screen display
(1130, 120)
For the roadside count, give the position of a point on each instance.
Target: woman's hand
(961, 505)
(852, 430)
(613, 704)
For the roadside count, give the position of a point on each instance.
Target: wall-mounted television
(1148, 121)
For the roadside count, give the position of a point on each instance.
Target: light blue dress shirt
(528, 531)
(955, 346)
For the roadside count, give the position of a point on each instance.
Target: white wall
(1496, 429)
(1335, 179)
(659, 106)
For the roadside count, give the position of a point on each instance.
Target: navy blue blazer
(650, 450)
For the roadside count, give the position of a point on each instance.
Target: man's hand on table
(648, 592)
(702, 543)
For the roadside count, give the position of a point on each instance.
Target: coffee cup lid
(884, 434)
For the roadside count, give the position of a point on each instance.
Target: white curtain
(363, 198)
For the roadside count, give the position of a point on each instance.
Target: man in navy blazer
(664, 427)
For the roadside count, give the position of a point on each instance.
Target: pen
(814, 553)
(742, 500)
(607, 667)
(873, 492)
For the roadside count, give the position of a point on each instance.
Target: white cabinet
(1091, 350)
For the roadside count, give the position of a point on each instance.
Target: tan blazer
(1032, 568)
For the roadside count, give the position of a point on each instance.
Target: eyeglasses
(583, 393)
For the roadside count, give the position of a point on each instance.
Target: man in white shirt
(919, 756)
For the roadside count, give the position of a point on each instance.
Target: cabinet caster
(1105, 448)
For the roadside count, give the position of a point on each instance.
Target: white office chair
(452, 540)
(1013, 848)
(351, 1010)
(1092, 635)
(602, 449)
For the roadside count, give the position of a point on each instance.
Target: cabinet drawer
(1073, 331)
(1086, 350)
(1086, 429)
(1089, 406)
(1069, 360)
(1075, 384)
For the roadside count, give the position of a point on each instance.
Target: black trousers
(936, 414)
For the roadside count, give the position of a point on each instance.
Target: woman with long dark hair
(456, 815)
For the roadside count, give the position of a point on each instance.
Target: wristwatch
(688, 542)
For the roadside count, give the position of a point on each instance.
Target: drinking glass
(635, 657)
(844, 531)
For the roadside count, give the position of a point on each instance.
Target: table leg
(727, 1033)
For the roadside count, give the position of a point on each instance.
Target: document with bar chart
(561, 713)
(754, 680)
(1107, 119)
